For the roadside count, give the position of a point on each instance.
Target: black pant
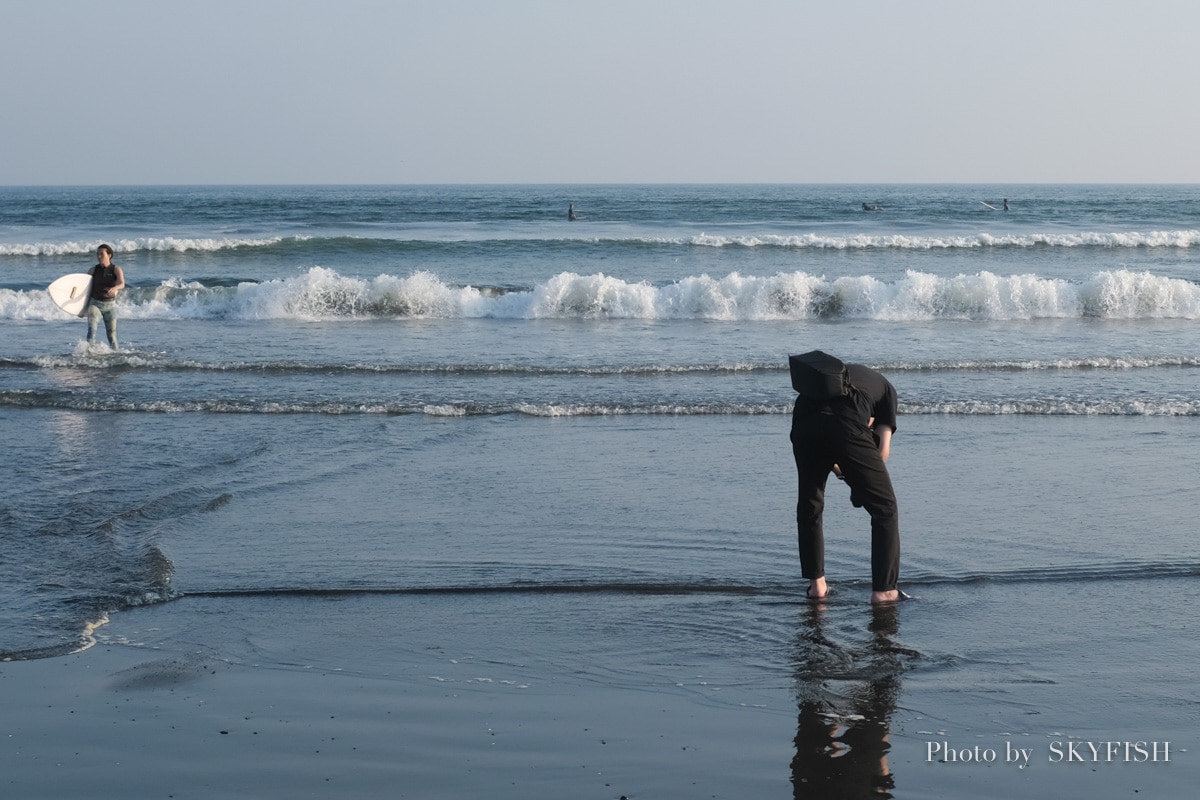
(820, 440)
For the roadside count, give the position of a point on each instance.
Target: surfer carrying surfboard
(107, 280)
(842, 423)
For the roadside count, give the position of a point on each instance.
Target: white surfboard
(70, 293)
(989, 205)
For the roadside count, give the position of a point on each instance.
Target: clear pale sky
(607, 91)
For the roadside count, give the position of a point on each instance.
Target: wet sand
(121, 722)
(875, 705)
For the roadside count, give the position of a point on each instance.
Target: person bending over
(851, 437)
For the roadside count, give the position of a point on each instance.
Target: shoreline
(121, 720)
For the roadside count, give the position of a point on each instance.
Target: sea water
(487, 430)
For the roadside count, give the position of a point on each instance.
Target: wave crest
(1177, 239)
(322, 293)
(1114, 239)
(174, 244)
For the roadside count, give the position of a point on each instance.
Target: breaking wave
(323, 294)
(1176, 239)
(1132, 239)
(133, 360)
(1119, 407)
(146, 244)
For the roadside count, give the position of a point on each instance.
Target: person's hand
(838, 472)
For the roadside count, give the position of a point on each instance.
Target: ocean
(351, 427)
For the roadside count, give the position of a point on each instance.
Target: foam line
(323, 294)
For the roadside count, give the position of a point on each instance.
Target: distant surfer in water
(107, 280)
(851, 436)
(571, 213)
(872, 207)
(1006, 204)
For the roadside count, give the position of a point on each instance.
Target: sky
(620, 91)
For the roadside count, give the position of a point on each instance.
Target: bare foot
(817, 589)
(883, 598)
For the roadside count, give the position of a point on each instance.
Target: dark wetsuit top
(103, 279)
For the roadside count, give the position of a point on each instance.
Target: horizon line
(596, 183)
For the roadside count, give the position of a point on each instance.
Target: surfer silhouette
(571, 213)
(1006, 204)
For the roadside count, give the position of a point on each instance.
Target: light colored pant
(106, 310)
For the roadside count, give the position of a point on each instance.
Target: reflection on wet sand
(847, 686)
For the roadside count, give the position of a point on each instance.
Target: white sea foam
(149, 244)
(1056, 407)
(1180, 239)
(1119, 239)
(325, 294)
(322, 293)
(1059, 408)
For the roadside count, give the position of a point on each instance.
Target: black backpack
(819, 377)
